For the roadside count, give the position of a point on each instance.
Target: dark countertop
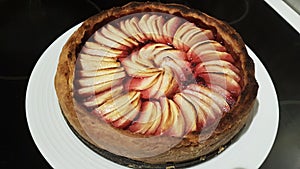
(28, 27)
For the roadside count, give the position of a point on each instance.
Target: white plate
(62, 149)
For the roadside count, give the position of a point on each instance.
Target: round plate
(62, 149)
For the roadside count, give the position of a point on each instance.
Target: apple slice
(126, 120)
(91, 81)
(207, 45)
(101, 72)
(134, 23)
(167, 117)
(221, 63)
(94, 48)
(226, 94)
(143, 25)
(156, 119)
(219, 99)
(150, 50)
(211, 68)
(142, 83)
(137, 70)
(151, 92)
(188, 111)
(206, 99)
(178, 70)
(94, 58)
(151, 24)
(116, 103)
(122, 110)
(146, 62)
(159, 23)
(120, 36)
(100, 98)
(181, 31)
(171, 53)
(145, 119)
(206, 116)
(178, 127)
(210, 55)
(106, 41)
(223, 80)
(167, 85)
(88, 65)
(194, 36)
(92, 90)
(201, 115)
(169, 29)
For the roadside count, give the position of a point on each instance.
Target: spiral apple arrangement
(156, 74)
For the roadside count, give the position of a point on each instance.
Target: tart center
(156, 74)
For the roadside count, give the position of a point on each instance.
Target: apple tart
(152, 84)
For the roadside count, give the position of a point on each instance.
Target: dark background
(28, 27)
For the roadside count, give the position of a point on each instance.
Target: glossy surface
(29, 27)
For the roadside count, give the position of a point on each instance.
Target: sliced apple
(195, 51)
(142, 83)
(92, 90)
(150, 50)
(137, 70)
(122, 110)
(226, 94)
(151, 92)
(179, 70)
(211, 68)
(159, 23)
(207, 116)
(201, 115)
(223, 80)
(206, 99)
(179, 125)
(116, 103)
(166, 84)
(170, 28)
(120, 36)
(95, 58)
(106, 41)
(210, 55)
(188, 111)
(171, 53)
(138, 59)
(94, 48)
(100, 98)
(134, 24)
(126, 120)
(156, 119)
(167, 117)
(181, 31)
(93, 73)
(218, 98)
(194, 36)
(91, 81)
(143, 25)
(90, 65)
(145, 119)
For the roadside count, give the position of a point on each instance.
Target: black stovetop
(28, 27)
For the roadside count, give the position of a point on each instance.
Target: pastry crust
(158, 149)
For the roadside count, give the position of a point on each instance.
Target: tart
(152, 84)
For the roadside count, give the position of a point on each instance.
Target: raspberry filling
(156, 74)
